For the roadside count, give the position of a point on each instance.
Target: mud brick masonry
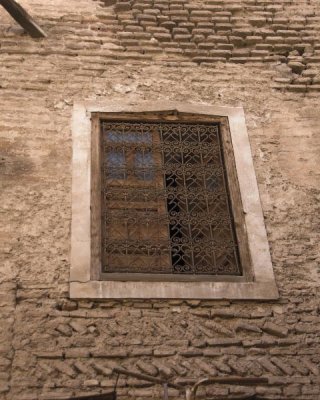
(261, 55)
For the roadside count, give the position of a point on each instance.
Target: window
(165, 205)
(165, 199)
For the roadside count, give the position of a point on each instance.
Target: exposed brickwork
(225, 31)
(215, 52)
(283, 33)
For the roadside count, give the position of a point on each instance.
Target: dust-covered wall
(262, 55)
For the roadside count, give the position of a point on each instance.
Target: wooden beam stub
(23, 18)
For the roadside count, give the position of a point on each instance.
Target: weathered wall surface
(262, 55)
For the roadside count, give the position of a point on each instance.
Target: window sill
(173, 290)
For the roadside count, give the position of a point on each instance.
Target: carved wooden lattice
(165, 205)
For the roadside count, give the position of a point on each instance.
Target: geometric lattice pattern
(165, 200)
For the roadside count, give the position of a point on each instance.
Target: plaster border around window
(83, 284)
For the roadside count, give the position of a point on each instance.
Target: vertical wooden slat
(236, 202)
(96, 203)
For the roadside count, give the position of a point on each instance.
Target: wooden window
(165, 204)
(168, 198)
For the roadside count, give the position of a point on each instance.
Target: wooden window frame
(86, 278)
(233, 186)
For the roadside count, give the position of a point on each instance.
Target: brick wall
(262, 55)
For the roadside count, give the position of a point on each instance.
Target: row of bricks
(216, 19)
(219, 34)
(222, 16)
(268, 42)
(211, 43)
(244, 31)
(297, 88)
(235, 22)
(225, 49)
(137, 351)
(254, 22)
(164, 24)
(292, 30)
(230, 7)
(147, 52)
(202, 13)
(203, 28)
(219, 14)
(206, 10)
(214, 55)
(274, 365)
(125, 393)
(258, 16)
(201, 35)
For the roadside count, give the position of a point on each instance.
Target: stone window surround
(85, 284)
